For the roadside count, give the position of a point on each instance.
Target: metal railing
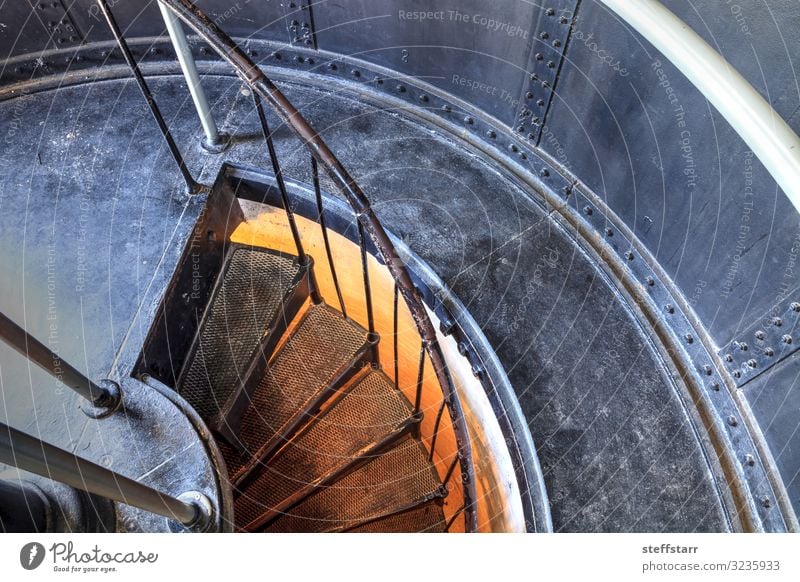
(369, 227)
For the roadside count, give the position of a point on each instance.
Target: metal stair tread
(425, 518)
(394, 480)
(323, 343)
(239, 312)
(371, 409)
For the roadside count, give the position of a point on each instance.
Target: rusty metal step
(370, 412)
(324, 351)
(426, 517)
(255, 296)
(399, 478)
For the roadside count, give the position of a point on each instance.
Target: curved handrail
(252, 75)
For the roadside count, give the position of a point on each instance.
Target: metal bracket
(548, 44)
(768, 341)
(300, 23)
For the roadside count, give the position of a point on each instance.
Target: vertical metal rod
(436, 429)
(396, 338)
(191, 185)
(450, 471)
(184, 52)
(23, 508)
(276, 168)
(365, 267)
(452, 520)
(36, 456)
(42, 356)
(323, 226)
(418, 398)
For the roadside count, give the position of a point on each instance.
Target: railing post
(213, 142)
(30, 454)
(192, 186)
(107, 397)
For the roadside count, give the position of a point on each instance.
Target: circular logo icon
(31, 555)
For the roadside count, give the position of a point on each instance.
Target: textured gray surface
(614, 441)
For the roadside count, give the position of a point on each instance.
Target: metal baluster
(191, 185)
(452, 520)
(449, 473)
(418, 398)
(36, 456)
(396, 338)
(323, 226)
(276, 168)
(42, 356)
(436, 429)
(365, 268)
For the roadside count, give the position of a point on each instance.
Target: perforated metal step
(320, 354)
(394, 480)
(425, 518)
(247, 298)
(371, 409)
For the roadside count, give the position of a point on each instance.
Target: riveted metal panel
(477, 51)
(630, 126)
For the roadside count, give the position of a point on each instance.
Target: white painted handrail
(770, 138)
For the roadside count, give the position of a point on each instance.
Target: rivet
(544, 172)
(733, 421)
(609, 232)
(513, 148)
(588, 210)
(769, 352)
(540, 103)
(563, 20)
(551, 65)
(468, 120)
(689, 338)
(708, 370)
(737, 374)
(796, 307)
(728, 357)
(491, 134)
(760, 335)
(766, 502)
(777, 322)
(742, 346)
(787, 339)
(550, 11)
(356, 73)
(277, 56)
(401, 89)
(332, 66)
(714, 386)
(650, 281)
(544, 35)
(446, 108)
(310, 61)
(752, 363)
(556, 43)
(629, 255)
(669, 308)
(529, 95)
(749, 460)
(423, 98)
(539, 56)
